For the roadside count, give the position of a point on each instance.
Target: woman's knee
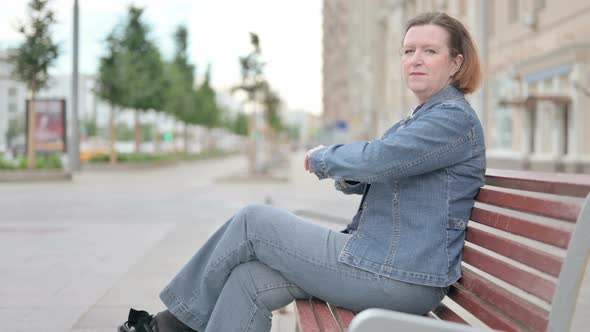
(266, 287)
(254, 212)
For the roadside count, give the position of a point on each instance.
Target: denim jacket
(418, 184)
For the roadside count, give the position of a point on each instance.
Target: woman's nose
(416, 57)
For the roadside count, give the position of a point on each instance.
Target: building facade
(536, 86)
(12, 99)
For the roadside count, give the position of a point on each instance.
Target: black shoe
(139, 321)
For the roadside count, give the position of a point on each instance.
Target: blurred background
(150, 77)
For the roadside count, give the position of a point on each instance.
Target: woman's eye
(408, 51)
(429, 51)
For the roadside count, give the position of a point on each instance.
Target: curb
(35, 176)
(123, 166)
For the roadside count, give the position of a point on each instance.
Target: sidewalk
(140, 285)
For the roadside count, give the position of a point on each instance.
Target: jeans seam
(251, 317)
(184, 308)
(309, 259)
(216, 265)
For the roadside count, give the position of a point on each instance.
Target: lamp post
(74, 149)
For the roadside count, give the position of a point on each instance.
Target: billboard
(50, 128)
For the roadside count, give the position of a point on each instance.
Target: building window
(12, 91)
(513, 11)
(502, 115)
(12, 108)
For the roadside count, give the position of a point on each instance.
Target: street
(76, 255)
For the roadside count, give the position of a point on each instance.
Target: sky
(290, 34)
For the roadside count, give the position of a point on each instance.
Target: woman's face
(427, 63)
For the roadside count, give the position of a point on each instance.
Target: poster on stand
(50, 128)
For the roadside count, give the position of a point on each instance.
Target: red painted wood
(523, 311)
(553, 183)
(445, 313)
(306, 316)
(567, 211)
(324, 317)
(482, 311)
(524, 280)
(544, 233)
(534, 258)
(343, 316)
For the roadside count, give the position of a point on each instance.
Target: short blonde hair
(469, 75)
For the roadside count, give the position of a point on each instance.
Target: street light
(74, 150)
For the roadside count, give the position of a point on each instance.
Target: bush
(149, 157)
(52, 161)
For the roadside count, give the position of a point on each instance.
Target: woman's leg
(251, 293)
(302, 253)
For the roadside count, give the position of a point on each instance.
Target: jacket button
(364, 205)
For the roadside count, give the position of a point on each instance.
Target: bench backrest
(516, 258)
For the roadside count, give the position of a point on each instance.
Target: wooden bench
(527, 246)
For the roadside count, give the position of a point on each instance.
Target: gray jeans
(262, 259)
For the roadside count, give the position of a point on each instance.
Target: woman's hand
(307, 155)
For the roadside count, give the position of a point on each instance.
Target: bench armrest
(379, 320)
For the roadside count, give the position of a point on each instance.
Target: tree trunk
(137, 132)
(31, 146)
(112, 136)
(185, 138)
(157, 139)
(252, 165)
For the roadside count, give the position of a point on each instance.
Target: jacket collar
(448, 93)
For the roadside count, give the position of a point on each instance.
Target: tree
(32, 60)
(141, 69)
(240, 124)
(208, 114)
(110, 85)
(180, 99)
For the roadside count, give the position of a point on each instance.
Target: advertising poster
(50, 131)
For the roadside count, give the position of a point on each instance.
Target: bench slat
(343, 316)
(524, 280)
(305, 316)
(567, 211)
(514, 306)
(543, 233)
(481, 310)
(553, 183)
(445, 313)
(325, 318)
(534, 258)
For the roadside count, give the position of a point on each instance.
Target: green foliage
(208, 113)
(180, 98)
(110, 85)
(124, 133)
(15, 127)
(90, 127)
(51, 161)
(140, 67)
(151, 157)
(33, 58)
(256, 85)
(272, 103)
(148, 132)
(240, 124)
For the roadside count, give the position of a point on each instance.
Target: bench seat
(526, 250)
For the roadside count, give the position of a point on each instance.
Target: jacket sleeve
(438, 139)
(349, 187)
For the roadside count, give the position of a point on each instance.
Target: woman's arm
(441, 138)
